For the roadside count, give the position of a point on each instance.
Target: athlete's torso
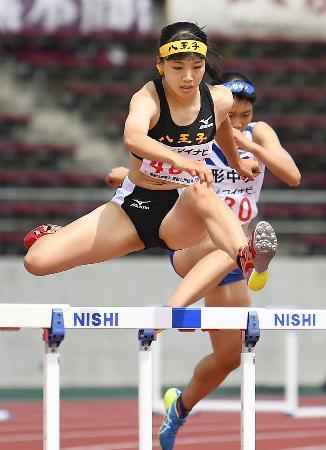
(193, 141)
(242, 196)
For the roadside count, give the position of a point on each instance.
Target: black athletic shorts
(146, 209)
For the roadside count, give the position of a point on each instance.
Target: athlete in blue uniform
(255, 140)
(212, 272)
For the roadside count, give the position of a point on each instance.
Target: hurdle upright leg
(145, 394)
(250, 337)
(158, 405)
(248, 397)
(51, 387)
(292, 373)
(51, 399)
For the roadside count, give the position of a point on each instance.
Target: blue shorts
(232, 277)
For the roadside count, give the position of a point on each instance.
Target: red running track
(112, 425)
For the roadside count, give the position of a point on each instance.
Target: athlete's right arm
(143, 109)
(115, 177)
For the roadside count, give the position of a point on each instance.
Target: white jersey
(241, 196)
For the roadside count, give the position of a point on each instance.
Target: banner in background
(48, 16)
(257, 18)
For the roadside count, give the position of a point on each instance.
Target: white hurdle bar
(54, 319)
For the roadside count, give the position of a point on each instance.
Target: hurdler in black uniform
(147, 208)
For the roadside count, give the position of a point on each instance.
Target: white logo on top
(206, 123)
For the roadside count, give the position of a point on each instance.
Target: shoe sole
(265, 245)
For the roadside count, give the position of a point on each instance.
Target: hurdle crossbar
(213, 318)
(54, 319)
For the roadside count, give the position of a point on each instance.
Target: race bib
(166, 172)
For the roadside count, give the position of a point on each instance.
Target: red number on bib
(245, 209)
(174, 171)
(158, 166)
(230, 201)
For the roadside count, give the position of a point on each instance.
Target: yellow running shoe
(257, 281)
(171, 422)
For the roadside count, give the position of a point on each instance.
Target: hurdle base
(212, 405)
(235, 405)
(4, 415)
(309, 412)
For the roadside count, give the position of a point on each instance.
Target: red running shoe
(260, 250)
(38, 232)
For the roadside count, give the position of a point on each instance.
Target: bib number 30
(244, 209)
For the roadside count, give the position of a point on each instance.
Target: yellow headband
(185, 46)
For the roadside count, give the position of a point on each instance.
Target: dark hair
(230, 76)
(179, 31)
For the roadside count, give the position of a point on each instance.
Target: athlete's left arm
(223, 101)
(267, 148)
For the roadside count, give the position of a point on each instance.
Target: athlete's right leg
(202, 267)
(103, 234)
(199, 212)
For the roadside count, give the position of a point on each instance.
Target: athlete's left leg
(214, 368)
(211, 370)
(103, 234)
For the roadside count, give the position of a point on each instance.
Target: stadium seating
(94, 76)
(48, 178)
(10, 122)
(35, 155)
(311, 244)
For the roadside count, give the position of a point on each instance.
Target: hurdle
(289, 405)
(55, 319)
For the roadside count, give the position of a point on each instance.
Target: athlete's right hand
(116, 176)
(194, 168)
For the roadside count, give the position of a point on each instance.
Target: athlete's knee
(207, 246)
(35, 264)
(200, 195)
(229, 361)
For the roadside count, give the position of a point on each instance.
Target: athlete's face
(241, 114)
(184, 76)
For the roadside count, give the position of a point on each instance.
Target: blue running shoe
(171, 422)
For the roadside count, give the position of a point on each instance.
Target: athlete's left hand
(241, 140)
(248, 169)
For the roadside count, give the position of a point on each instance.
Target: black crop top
(193, 141)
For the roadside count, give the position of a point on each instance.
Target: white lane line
(311, 447)
(133, 431)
